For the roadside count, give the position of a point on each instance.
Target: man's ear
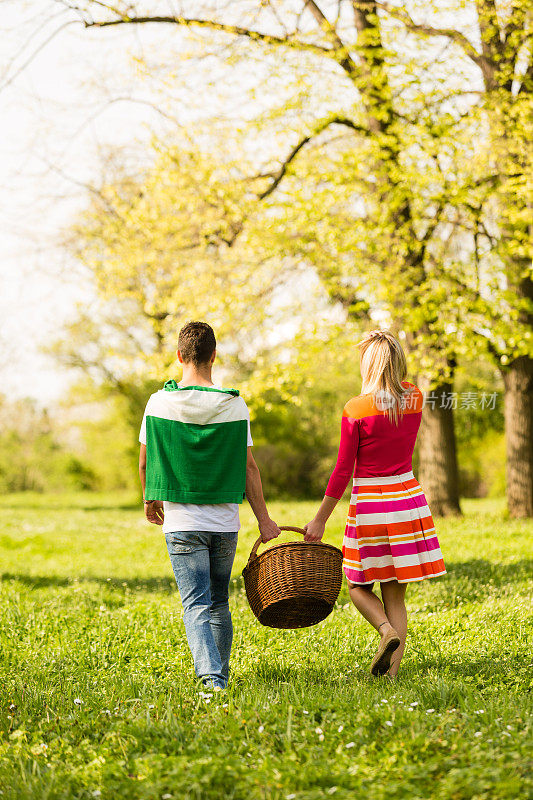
(180, 357)
(212, 359)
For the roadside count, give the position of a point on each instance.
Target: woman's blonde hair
(383, 368)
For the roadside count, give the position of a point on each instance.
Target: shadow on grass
(62, 507)
(162, 585)
(484, 576)
(510, 671)
(482, 572)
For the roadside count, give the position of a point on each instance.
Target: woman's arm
(344, 469)
(314, 530)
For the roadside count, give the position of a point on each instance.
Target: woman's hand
(314, 531)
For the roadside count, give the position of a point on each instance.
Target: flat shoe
(387, 646)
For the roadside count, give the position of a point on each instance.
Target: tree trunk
(518, 381)
(438, 460)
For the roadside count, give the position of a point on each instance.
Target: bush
(31, 455)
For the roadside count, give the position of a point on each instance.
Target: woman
(389, 536)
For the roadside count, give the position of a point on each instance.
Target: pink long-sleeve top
(371, 445)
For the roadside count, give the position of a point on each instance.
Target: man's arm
(254, 493)
(154, 509)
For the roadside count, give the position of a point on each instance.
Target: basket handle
(255, 548)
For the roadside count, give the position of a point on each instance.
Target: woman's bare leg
(393, 594)
(370, 606)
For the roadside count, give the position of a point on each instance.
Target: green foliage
(482, 466)
(402, 190)
(31, 454)
(89, 612)
(155, 247)
(105, 424)
(296, 394)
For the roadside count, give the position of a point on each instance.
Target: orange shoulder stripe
(361, 406)
(364, 406)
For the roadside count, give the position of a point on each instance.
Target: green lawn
(98, 697)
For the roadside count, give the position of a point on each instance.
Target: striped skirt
(390, 533)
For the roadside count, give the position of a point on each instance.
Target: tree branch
(291, 40)
(432, 225)
(376, 91)
(428, 30)
(517, 38)
(9, 80)
(342, 54)
(489, 28)
(278, 177)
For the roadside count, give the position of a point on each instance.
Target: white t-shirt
(217, 518)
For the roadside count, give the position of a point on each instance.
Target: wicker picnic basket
(293, 585)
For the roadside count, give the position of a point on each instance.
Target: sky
(79, 94)
(56, 121)
(66, 95)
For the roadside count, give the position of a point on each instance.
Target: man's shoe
(212, 686)
(381, 662)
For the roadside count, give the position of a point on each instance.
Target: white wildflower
(77, 701)
(350, 744)
(389, 723)
(430, 711)
(261, 728)
(477, 733)
(340, 728)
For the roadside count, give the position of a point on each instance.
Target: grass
(98, 697)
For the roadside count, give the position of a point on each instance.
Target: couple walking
(196, 466)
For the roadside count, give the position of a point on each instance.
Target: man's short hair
(196, 343)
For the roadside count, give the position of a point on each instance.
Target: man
(196, 466)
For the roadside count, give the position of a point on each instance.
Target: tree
(364, 62)
(32, 455)
(154, 249)
(359, 51)
(505, 62)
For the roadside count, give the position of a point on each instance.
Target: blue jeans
(202, 563)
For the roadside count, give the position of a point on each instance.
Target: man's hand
(154, 512)
(314, 531)
(268, 530)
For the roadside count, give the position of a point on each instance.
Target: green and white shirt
(196, 439)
